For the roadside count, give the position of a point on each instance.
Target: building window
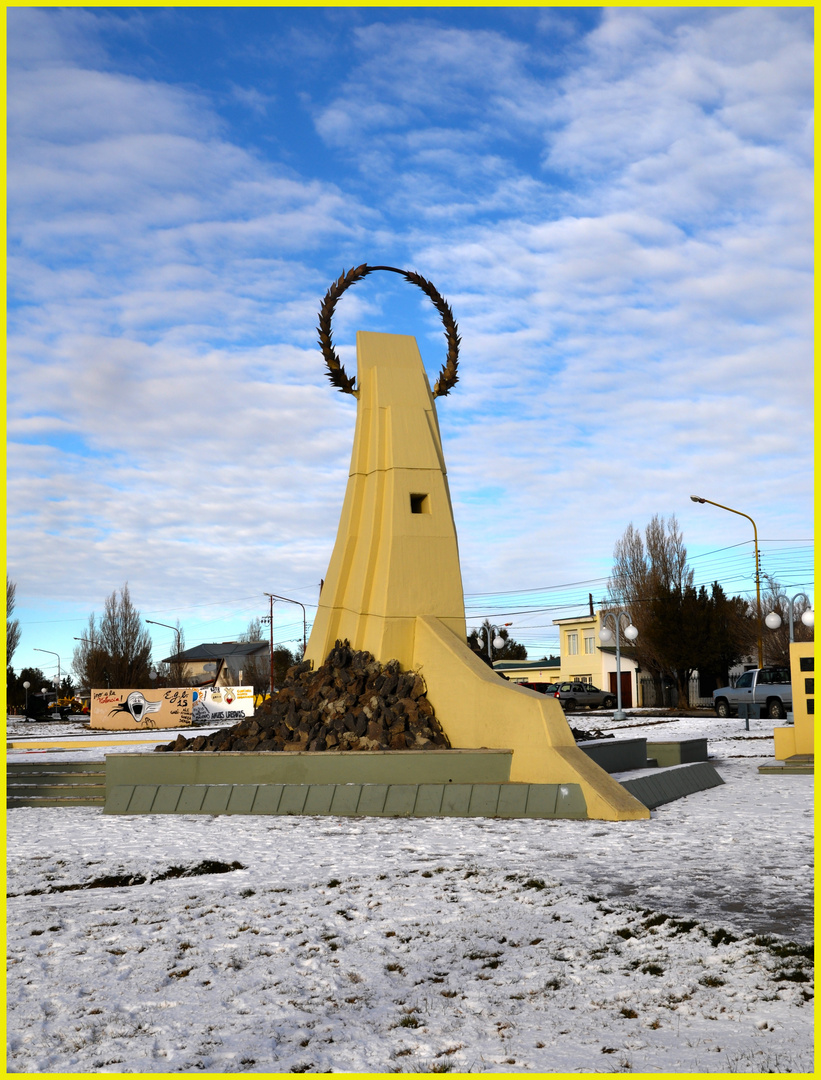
(573, 644)
(807, 663)
(585, 679)
(589, 643)
(809, 687)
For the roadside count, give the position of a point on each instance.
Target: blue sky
(616, 202)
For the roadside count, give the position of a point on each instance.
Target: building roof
(528, 665)
(221, 650)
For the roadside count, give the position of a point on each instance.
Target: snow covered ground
(679, 944)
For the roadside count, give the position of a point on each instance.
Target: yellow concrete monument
(798, 739)
(394, 584)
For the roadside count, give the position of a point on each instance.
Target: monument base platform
(352, 800)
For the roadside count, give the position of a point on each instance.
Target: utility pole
(271, 647)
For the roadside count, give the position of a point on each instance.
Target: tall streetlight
(168, 626)
(729, 509)
(606, 635)
(288, 600)
(27, 684)
(59, 676)
(773, 620)
(95, 645)
(176, 630)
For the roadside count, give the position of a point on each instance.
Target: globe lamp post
(773, 620)
(606, 635)
(497, 642)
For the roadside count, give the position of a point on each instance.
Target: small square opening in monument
(420, 504)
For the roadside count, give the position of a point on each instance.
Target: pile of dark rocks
(351, 703)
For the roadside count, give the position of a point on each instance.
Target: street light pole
(304, 617)
(176, 630)
(605, 635)
(59, 676)
(773, 620)
(729, 509)
(497, 642)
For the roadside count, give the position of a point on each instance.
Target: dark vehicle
(541, 687)
(573, 695)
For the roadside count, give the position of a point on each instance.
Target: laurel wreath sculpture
(336, 372)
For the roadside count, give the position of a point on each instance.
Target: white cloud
(621, 226)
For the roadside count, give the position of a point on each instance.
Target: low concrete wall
(663, 786)
(617, 755)
(683, 752)
(311, 767)
(58, 783)
(352, 800)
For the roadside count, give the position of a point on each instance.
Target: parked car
(541, 687)
(769, 687)
(574, 694)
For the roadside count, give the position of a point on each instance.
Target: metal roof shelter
(218, 651)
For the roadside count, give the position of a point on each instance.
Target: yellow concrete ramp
(476, 708)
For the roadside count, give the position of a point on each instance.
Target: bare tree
(641, 573)
(645, 572)
(178, 669)
(117, 651)
(681, 629)
(12, 625)
(90, 660)
(256, 669)
(254, 631)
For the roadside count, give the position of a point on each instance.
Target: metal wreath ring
(336, 372)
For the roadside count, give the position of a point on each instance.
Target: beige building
(582, 658)
(223, 663)
(529, 671)
(585, 659)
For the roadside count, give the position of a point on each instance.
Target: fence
(649, 695)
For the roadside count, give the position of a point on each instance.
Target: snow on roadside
(369, 945)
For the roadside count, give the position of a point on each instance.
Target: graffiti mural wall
(222, 703)
(132, 710)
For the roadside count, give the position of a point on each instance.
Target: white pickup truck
(767, 687)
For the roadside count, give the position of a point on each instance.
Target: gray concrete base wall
(659, 787)
(352, 800)
(617, 755)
